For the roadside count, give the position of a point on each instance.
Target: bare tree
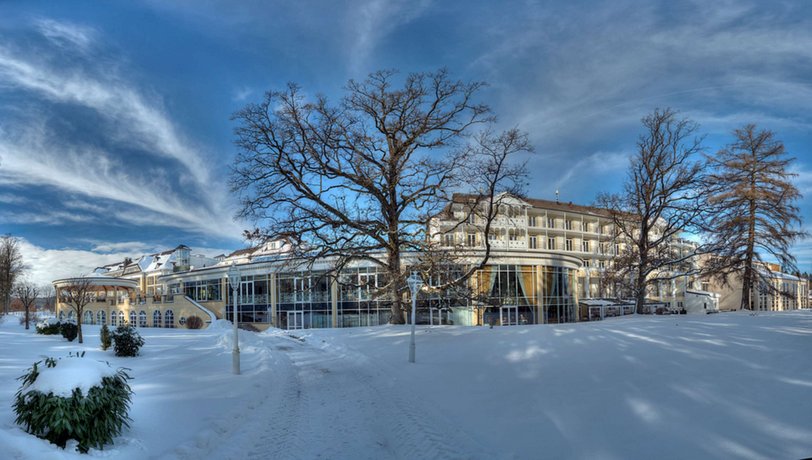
(11, 267)
(755, 211)
(48, 296)
(359, 181)
(663, 196)
(76, 293)
(27, 293)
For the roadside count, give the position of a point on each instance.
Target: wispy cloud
(38, 159)
(67, 35)
(598, 164)
(181, 194)
(566, 74)
(371, 21)
(141, 121)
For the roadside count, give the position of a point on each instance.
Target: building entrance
(509, 315)
(295, 320)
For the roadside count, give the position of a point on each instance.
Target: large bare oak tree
(755, 211)
(360, 179)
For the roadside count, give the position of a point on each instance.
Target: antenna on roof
(556, 196)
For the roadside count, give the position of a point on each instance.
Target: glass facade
(361, 301)
(503, 295)
(204, 291)
(303, 300)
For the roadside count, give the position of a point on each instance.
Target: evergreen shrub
(69, 330)
(49, 326)
(126, 340)
(104, 335)
(194, 322)
(92, 419)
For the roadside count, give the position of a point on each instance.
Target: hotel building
(546, 266)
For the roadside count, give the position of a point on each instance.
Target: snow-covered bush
(194, 322)
(126, 340)
(104, 335)
(73, 398)
(69, 330)
(49, 326)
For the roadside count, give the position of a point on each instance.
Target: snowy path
(321, 404)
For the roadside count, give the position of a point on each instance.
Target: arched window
(133, 318)
(71, 314)
(142, 319)
(88, 317)
(121, 320)
(113, 317)
(61, 315)
(156, 318)
(169, 319)
(101, 317)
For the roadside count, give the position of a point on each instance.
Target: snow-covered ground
(717, 386)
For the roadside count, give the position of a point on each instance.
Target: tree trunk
(394, 286)
(747, 278)
(26, 317)
(641, 291)
(79, 327)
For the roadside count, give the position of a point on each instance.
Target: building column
(273, 299)
(541, 319)
(334, 301)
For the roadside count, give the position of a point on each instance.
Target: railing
(597, 312)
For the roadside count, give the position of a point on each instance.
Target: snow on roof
(600, 302)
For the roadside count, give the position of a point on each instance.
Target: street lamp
(415, 283)
(234, 281)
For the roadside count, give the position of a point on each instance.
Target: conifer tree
(754, 209)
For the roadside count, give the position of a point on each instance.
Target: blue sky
(115, 130)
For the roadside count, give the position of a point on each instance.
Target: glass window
(156, 318)
(142, 319)
(169, 319)
(101, 317)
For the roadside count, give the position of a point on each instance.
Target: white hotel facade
(545, 267)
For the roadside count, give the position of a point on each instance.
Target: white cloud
(36, 159)
(598, 164)
(116, 100)
(371, 22)
(33, 156)
(241, 94)
(46, 265)
(65, 34)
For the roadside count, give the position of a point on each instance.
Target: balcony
(509, 244)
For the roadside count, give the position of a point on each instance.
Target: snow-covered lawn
(718, 386)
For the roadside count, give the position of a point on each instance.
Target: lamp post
(415, 283)
(234, 281)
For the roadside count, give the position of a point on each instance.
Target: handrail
(212, 317)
